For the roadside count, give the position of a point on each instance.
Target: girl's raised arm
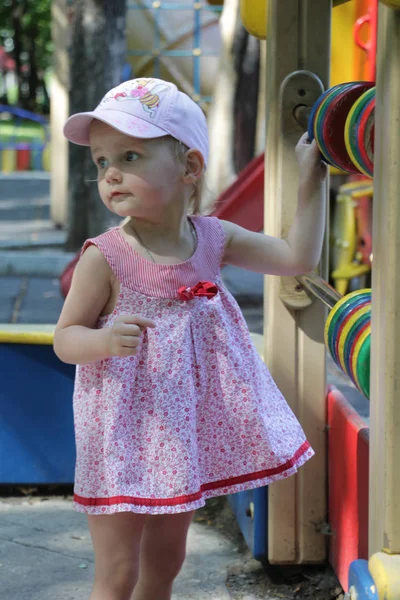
(301, 251)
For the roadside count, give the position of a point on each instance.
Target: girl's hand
(312, 169)
(125, 334)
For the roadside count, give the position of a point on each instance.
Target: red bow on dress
(203, 288)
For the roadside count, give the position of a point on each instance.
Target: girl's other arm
(301, 251)
(76, 341)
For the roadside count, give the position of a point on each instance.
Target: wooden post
(384, 518)
(298, 40)
(384, 494)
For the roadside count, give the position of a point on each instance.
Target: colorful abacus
(342, 123)
(348, 337)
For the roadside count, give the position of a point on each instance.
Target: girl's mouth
(117, 194)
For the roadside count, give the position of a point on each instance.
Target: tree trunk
(246, 51)
(98, 49)
(33, 70)
(17, 11)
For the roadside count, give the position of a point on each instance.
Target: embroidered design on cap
(146, 91)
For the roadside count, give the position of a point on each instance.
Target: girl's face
(136, 178)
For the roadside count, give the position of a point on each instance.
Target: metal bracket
(298, 93)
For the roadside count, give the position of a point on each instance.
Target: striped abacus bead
(316, 106)
(361, 359)
(347, 336)
(333, 126)
(316, 119)
(359, 132)
(343, 309)
(328, 119)
(323, 114)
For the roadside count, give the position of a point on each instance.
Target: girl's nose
(113, 175)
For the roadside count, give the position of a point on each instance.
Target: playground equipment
(24, 141)
(384, 479)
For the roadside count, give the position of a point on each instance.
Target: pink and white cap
(145, 108)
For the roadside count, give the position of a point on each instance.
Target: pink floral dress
(195, 413)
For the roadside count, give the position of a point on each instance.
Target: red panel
(23, 159)
(348, 456)
(243, 202)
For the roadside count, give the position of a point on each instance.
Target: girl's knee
(176, 563)
(163, 549)
(119, 579)
(170, 566)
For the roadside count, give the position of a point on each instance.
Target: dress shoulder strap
(108, 245)
(212, 239)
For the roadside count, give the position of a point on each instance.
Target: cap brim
(77, 127)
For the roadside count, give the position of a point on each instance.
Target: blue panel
(361, 580)
(36, 420)
(254, 528)
(260, 548)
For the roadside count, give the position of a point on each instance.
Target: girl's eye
(132, 156)
(101, 162)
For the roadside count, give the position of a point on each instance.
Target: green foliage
(27, 20)
(34, 17)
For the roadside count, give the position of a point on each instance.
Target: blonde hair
(198, 186)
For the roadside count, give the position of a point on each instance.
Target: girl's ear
(194, 162)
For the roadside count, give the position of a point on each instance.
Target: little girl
(172, 403)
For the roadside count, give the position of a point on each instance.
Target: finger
(124, 329)
(129, 341)
(304, 139)
(315, 149)
(139, 320)
(124, 352)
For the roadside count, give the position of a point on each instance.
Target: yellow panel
(342, 60)
(47, 158)
(27, 334)
(254, 17)
(385, 571)
(8, 161)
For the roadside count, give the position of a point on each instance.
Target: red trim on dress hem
(193, 497)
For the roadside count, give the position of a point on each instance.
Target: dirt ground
(248, 579)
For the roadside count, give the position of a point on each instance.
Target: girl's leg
(162, 555)
(116, 542)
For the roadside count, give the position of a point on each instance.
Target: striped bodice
(153, 279)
